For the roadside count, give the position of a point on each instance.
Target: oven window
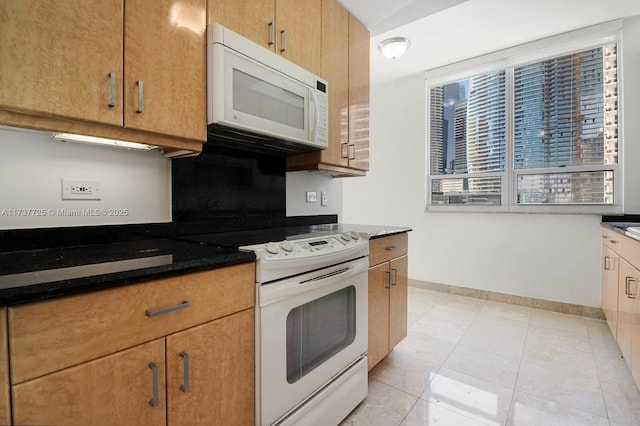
(318, 330)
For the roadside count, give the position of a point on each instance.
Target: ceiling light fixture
(101, 141)
(394, 47)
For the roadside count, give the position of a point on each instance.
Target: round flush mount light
(394, 47)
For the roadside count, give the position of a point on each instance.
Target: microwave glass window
(318, 330)
(259, 98)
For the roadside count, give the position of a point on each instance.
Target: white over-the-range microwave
(257, 99)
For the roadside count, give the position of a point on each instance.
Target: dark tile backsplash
(222, 184)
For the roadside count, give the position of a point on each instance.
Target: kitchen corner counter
(375, 231)
(88, 259)
(623, 228)
(33, 275)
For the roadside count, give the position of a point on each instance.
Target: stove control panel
(305, 248)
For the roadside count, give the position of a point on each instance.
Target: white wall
(551, 257)
(32, 166)
(299, 183)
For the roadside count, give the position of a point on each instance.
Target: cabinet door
(252, 19)
(625, 311)
(300, 42)
(335, 69)
(115, 390)
(358, 95)
(165, 67)
(379, 286)
(630, 278)
(610, 267)
(56, 57)
(220, 373)
(5, 402)
(398, 301)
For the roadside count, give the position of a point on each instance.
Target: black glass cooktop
(237, 239)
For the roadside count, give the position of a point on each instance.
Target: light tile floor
(475, 362)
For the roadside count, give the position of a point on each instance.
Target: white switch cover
(312, 197)
(80, 189)
(323, 198)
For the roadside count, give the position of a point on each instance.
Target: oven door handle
(289, 288)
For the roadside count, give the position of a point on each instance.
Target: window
(526, 135)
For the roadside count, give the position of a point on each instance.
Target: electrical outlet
(80, 189)
(312, 197)
(323, 198)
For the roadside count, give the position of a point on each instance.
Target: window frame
(507, 60)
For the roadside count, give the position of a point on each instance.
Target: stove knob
(286, 246)
(273, 248)
(355, 235)
(346, 236)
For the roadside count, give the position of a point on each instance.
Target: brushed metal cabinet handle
(184, 305)
(388, 279)
(628, 282)
(112, 79)
(283, 33)
(395, 276)
(344, 150)
(272, 33)
(154, 402)
(185, 361)
(140, 84)
(391, 248)
(352, 151)
(626, 286)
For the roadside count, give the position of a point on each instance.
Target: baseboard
(549, 305)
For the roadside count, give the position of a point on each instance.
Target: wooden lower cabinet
(116, 389)
(217, 387)
(209, 380)
(378, 314)
(610, 268)
(398, 300)
(621, 295)
(388, 287)
(176, 351)
(629, 317)
(5, 401)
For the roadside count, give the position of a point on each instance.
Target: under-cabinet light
(101, 141)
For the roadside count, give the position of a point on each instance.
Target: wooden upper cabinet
(358, 95)
(298, 34)
(270, 22)
(165, 67)
(253, 19)
(55, 58)
(345, 65)
(335, 69)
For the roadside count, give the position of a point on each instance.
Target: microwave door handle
(314, 102)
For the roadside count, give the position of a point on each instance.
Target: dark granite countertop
(33, 275)
(43, 264)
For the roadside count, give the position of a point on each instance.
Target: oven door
(311, 328)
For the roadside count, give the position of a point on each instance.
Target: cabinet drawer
(55, 334)
(387, 248)
(611, 239)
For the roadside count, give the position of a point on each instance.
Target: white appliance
(311, 329)
(255, 96)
